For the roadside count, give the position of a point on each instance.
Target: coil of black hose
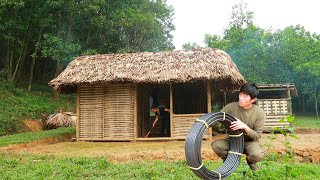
(194, 142)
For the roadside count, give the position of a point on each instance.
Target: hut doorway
(185, 102)
(151, 97)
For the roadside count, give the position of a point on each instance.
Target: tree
(216, 41)
(245, 42)
(302, 53)
(36, 37)
(189, 46)
(291, 55)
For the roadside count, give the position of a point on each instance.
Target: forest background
(39, 38)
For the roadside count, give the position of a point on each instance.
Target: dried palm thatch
(151, 67)
(62, 119)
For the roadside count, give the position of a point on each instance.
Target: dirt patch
(32, 125)
(41, 142)
(307, 131)
(306, 148)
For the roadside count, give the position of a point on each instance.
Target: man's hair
(251, 89)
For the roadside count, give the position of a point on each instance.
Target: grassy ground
(48, 167)
(311, 122)
(33, 136)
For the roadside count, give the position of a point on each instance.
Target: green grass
(306, 122)
(33, 136)
(49, 167)
(17, 103)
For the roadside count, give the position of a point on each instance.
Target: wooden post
(135, 112)
(78, 113)
(289, 101)
(141, 114)
(104, 117)
(209, 105)
(225, 98)
(171, 111)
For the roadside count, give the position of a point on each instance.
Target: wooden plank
(277, 124)
(209, 104)
(171, 110)
(78, 114)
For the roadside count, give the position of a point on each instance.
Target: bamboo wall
(119, 112)
(106, 112)
(91, 102)
(182, 124)
(275, 109)
(275, 106)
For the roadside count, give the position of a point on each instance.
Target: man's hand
(238, 124)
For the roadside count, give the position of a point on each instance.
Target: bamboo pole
(171, 111)
(209, 105)
(289, 102)
(135, 118)
(78, 114)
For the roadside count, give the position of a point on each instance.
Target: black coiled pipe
(194, 142)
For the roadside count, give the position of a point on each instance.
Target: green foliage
(59, 30)
(189, 46)
(216, 41)
(17, 104)
(241, 16)
(55, 48)
(33, 136)
(288, 155)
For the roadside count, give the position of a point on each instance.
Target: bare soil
(32, 125)
(306, 148)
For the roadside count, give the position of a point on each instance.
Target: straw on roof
(151, 67)
(289, 86)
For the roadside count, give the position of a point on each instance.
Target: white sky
(195, 18)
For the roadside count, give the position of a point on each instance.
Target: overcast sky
(195, 18)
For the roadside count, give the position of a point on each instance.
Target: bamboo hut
(113, 91)
(275, 100)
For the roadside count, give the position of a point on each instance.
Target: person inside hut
(153, 100)
(162, 114)
(251, 119)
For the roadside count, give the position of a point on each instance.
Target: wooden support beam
(171, 110)
(78, 114)
(209, 104)
(135, 112)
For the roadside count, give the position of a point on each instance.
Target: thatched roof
(287, 86)
(151, 67)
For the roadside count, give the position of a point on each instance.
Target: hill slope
(17, 104)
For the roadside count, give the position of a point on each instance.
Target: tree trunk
(10, 62)
(44, 71)
(7, 62)
(22, 52)
(58, 68)
(33, 62)
(88, 37)
(303, 104)
(316, 103)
